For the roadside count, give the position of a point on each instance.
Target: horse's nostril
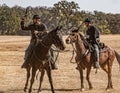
(63, 48)
(67, 40)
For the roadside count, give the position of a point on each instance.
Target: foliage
(63, 13)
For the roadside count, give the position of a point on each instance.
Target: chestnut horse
(85, 59)
(40, 60)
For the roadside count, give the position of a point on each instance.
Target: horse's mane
(82, 37)
(85, 42)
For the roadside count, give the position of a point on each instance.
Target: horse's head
(57, 39)
(73, 36)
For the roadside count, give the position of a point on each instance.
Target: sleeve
(93, 35)
(24, 27)
(44, 28)
(97, 32)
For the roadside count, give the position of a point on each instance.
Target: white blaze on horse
(85, 59)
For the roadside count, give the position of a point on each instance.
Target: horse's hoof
(90, 88)
(25, 89)
(53, 92)
(107, 89)
(82, 89)
(30, 91)
(39, 91)
(112, 88)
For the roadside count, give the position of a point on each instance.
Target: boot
(54, 66)
(25, 64)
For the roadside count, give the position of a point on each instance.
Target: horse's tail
(117, 57)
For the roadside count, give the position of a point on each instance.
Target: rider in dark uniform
(93, 36)
(36, 27)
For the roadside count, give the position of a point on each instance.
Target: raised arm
(23, 27)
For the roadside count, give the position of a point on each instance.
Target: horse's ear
(75, 29)
(58, 27)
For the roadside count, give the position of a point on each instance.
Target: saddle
(101, 45)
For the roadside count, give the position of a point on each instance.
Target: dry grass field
(65, 79)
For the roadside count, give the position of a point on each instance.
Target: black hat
(36, 17)
(87, 20)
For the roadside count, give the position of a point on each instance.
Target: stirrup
(54, 67)
(96, 65)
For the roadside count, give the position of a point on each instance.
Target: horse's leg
(41, 79)
(28, 76)
(32, 79)
(50, 79)
(88, 77)
(107, 68)
(81, 78)
(110, 86)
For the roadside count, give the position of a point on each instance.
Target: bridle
(74, 50)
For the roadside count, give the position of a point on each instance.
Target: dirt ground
(65, 79)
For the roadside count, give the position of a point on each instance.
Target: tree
(65, 10)
(62, 13)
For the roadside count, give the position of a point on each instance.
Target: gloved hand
(22, 21)
(35, 32)
(23, 18)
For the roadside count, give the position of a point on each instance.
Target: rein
(74, 50)
(56, 50)
(45, 45)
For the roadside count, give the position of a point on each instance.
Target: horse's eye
(72, 34)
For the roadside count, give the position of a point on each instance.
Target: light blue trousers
(96, 52)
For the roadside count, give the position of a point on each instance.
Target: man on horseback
(93, 36)
(37, 29)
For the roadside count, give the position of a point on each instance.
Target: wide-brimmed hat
(87, 20)
(36, 17)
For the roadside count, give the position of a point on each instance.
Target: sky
(106, 6)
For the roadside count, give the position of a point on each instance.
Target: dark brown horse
(40, 59)
(85, 59)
